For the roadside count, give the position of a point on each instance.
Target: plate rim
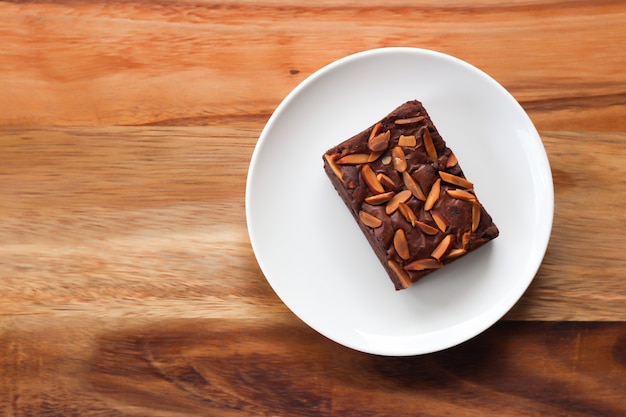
(501, 307)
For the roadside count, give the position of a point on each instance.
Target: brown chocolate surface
(378, 167)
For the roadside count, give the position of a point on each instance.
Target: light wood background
(127, 283)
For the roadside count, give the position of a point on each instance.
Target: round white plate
(310, 248)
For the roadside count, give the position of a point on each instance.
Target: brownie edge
(409, 195)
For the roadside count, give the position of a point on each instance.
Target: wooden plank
(236, 367)
(194, 63)
(150, 221)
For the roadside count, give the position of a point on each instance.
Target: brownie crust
(409, 195)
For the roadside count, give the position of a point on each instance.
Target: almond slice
(375, 130)
(409, 140)
(452, 161)
(476, 211)
(386, 160)
(354, 159)
(465, 240)
(401, 245)
(429, 145)
(408, 214)
(378, 199)
(386, 181)
(412, 185)
(379, 142)
(398, 158)
(440, 221)
(374, 156)
(433, 195)
(426, 228)
(455, 180)
(409, 120)
(403, 277)
(442, 247)
(333, 165)
(462, 195)
(455, 253)
(423, 264)
(402, 197)
(369, 219)
(370, 179)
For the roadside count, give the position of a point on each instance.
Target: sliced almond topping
(400, 244)
(407, 140)
(379, 142)
(426, 228)
(408, 214)
(429, 145)
(378, 199)
(374, 156)
(475, 216)
(412, 185)
(369, 219)
(442, 247)
(399, 161)
(402, 197)
(333, 165)
(423, 264)
(409, 120)
(455, 253)
(354, 159)
(456, 180)
(375, 130)
(386, 160)
(433, 195)
(462, 195)
(370, 179)
(386, 181)
(465, 240)
(452, 161)
(440, 221)
(403, 277)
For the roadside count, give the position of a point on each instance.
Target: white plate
(314, 255)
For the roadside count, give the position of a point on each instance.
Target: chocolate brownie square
(406, 190)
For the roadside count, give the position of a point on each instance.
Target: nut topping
(370, 179)
(407, 140)
(378, 199)
(426, 228)
(413, 186)
(333, 166)
(462, 195)
(386, 160)
(433, 195)
(429, 145)
(374, 156)
(403, 277)
(475, 216)
(400, 244)
(402, 197)
(440, 221)
(465, 240)
(399, 161)
(408, 214)
(409, 120)
(423, 264)
(379, 142)
(385, 181)
(455, 180)
(354, 159)
(452, 161)
(455, 253)
(369, 219)
(442, 247)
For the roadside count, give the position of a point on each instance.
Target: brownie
(406, 190)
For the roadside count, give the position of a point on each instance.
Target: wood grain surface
(128, 286)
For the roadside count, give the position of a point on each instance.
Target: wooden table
(128, 286)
